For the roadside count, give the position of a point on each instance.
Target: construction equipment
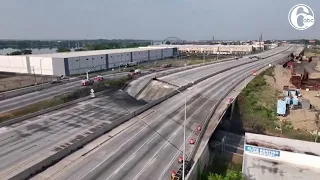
(87, 81)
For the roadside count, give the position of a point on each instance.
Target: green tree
(14, 53)
(80, 49)
(63, 50)
(230, 175)
(26, 51)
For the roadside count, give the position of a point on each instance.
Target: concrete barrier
(73, 144)
(44, 111)
(200, 163)
(79, 140)
(26, 90)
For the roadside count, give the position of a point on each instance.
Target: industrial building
(70, 63)
(211, 49)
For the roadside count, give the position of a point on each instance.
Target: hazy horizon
(152, 19)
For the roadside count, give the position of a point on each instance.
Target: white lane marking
(155, 135)
(195, 92)
(173, 135)
(170, 163)
(124, 144)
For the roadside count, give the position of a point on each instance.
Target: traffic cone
(199, 128)
(180, 159)
(173, 174)
(254, 72)
(230, 100)
(191, 141)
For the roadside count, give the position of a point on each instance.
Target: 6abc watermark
(302, 20)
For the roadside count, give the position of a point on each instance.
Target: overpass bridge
(150, 141)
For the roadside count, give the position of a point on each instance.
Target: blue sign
(262, 151)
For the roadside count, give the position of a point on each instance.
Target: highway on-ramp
(149, 148)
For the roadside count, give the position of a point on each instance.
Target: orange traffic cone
(180, 159)
(173, 174)
(254, 72)
(199, 128)
(191, 141)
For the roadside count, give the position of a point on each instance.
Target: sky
(153, 19)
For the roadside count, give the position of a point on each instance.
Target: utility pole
(204, 58)
(35, 78)
(217, 53)
(41, 70)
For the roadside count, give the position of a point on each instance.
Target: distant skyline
(152, 19)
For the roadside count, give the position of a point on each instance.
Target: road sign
(262, 151)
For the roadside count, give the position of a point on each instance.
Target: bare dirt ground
(300, 119)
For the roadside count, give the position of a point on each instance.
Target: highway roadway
(30, 98)
(192, 74)
(195, 74)
(22, 144)
(149, 149)
(24, 141)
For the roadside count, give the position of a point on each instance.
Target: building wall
(16, 64)
(41, 65)
(140, 56)
(58, 66)
(78, 65)
(155, 54)
(168, 52)
(117, 59)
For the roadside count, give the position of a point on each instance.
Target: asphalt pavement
(30, 98)
(150, 148)
(147, 150)
(22, 142)
(184, 77)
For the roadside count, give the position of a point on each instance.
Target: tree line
(85, 46)
(70, 44)
(102, 46)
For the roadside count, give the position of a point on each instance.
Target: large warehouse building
(212, 49)
(79, 62)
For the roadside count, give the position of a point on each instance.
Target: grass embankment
(258, 110)
(222, 169)
(79, 93)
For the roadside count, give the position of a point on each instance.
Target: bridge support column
(232, 108)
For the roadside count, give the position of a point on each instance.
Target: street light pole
(184, 135)
(184, 132)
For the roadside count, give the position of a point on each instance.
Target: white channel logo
(307, 14)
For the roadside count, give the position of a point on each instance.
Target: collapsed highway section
(149, 148)
(32, 152)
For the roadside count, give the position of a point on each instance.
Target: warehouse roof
(92, 53)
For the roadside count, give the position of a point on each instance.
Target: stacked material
(305, 103)
(281, 107)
